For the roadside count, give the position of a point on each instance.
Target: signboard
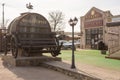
(92, 15)
(93, 19)
(33, 20)
(94, 23)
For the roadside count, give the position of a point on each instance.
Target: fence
(2, 33)
(114, 42)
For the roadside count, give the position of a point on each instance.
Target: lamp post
(73, 23)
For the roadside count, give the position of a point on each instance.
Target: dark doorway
(93, 36)
(94, 41)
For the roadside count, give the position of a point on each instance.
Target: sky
(70, 8)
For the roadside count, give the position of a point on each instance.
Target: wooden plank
(45, 33)
(37, 42)
(36, 39)
(39, 46)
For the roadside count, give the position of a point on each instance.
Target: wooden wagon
(30, 34)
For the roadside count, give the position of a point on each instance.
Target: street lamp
(73, 23)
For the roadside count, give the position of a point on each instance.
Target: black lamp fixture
(73, 22)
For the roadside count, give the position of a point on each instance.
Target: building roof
(116, 18)
(94, 8)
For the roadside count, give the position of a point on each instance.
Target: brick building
(94, 29)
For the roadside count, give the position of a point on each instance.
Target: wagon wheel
(53, 52)
(14, 48)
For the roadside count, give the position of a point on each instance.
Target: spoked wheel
(6, 40)
(14, 48)
(54, 52)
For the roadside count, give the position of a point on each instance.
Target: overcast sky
(70, 8)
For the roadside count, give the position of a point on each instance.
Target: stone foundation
(28, 61)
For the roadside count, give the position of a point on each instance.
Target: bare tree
(56, 19)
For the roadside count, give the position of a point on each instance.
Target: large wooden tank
(31, 33)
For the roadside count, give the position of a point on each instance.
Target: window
(88, 36)
(95, 34)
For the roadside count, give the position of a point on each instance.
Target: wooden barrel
(30, 25)
(31, 33)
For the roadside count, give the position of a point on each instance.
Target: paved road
(8, 72)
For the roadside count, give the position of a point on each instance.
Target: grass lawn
(91, 57)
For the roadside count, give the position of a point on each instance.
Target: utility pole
(3, 15)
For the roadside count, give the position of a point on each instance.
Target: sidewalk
(104, 74)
